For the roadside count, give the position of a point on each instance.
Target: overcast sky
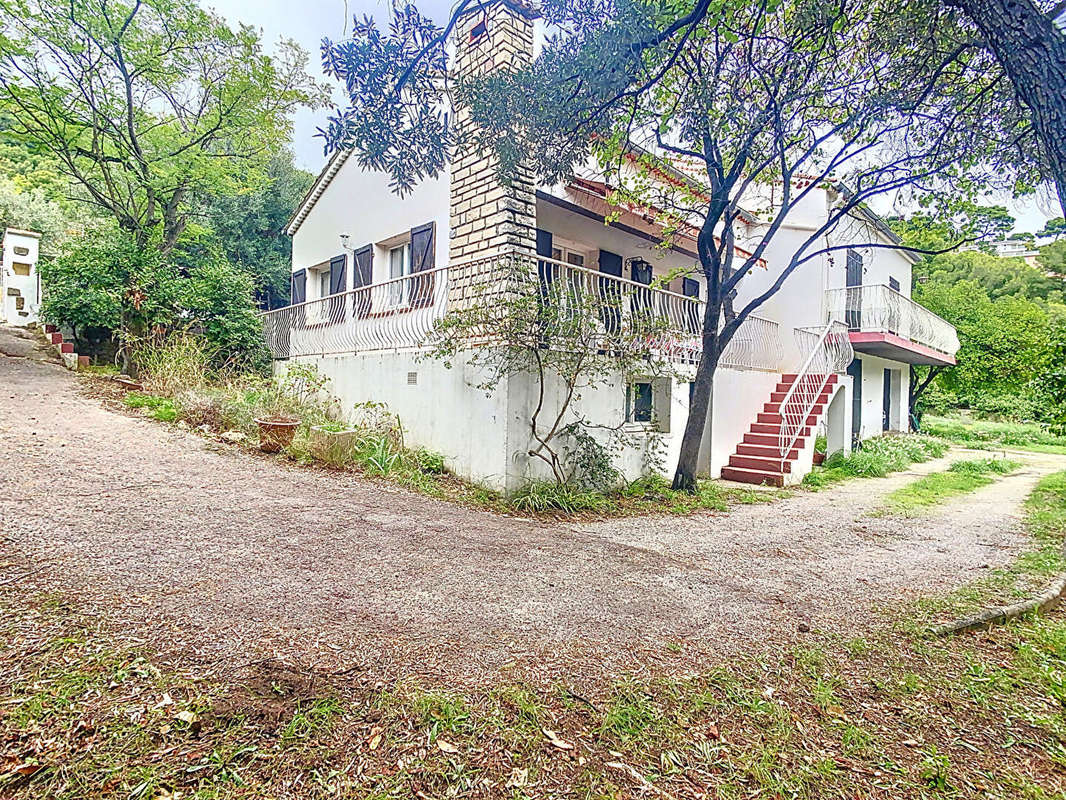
(308, 21)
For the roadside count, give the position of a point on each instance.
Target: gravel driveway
(236, 555)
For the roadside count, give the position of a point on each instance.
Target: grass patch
(876, 458)
(989, 434)
(158, 408)
(960, 478)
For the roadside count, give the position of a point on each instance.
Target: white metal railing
(876, 308)
(401, 313)
(828, 351)
(755, 345)
(397, 313)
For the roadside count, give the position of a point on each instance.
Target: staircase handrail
(806, 380)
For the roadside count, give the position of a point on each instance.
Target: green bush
(539, 496)
(106, 289)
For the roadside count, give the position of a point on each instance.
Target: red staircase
(758, 458)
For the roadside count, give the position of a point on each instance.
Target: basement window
(639, 402)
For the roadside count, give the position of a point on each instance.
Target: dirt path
(236, 555)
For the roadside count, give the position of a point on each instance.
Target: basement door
(855, 371)
(886, 401)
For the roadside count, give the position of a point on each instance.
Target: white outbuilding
(20, 285)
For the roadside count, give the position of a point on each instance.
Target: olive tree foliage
(146, 104)
(571, 333)
(764, 103)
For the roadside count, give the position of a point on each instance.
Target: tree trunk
(916, 390)
(1032, 52)
(687, 461)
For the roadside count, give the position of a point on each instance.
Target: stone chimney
(488, 216)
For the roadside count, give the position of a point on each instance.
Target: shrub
(177, 362)
(540, 496)
(875, 458)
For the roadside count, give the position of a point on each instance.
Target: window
(639, 402)
(323, 283)
(893, 284)
(399, 267)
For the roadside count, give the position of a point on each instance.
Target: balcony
(882, 322)
(400, 314)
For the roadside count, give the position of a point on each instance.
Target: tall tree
(250, 227)
(147, 103)
(1031, 48)
(768, 102)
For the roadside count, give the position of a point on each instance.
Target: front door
(886, 401)
(855, 371)
(853, 280)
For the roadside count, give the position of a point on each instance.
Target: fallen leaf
(186, 716)
(446, 746)
(518, 778)
(553, 737)
(375, 737)
(713, 732)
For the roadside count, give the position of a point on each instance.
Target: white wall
(360, 203)
(441, 410)
(739, 396)
(13, 286)
(873, 371)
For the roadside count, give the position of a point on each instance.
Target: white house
(372, 272)
(20, 286)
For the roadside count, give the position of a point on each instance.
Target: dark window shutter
(544, 243)
(854, 269)
(690, 287)
(338, 283)
(545, 270)
(299, 287)
(338, 276)
(610, 263)
(610, 291)
(299, 295)
(893, 284)
(423, 259)
(362, 275)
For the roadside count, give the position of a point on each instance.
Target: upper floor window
(399, 267)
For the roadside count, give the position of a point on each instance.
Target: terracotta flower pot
(275, 433)
(818, 458)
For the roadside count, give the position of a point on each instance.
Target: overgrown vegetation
(890, 714)
(984, 434)
(929, 490)
(875, 458)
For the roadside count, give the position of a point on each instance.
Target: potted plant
(332, 440)
(276, 432)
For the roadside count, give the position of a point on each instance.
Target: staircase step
(774, 418)
(57, 338)
(775, 408)
(760, 464)
(775, 428)
(777, 397)
(768, 440)
(764, 450)
(753, 476)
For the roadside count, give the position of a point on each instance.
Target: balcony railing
(876, 308)
(392, 315)
(401, 313)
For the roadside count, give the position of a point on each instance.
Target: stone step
(753, 476)
(760, 464)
